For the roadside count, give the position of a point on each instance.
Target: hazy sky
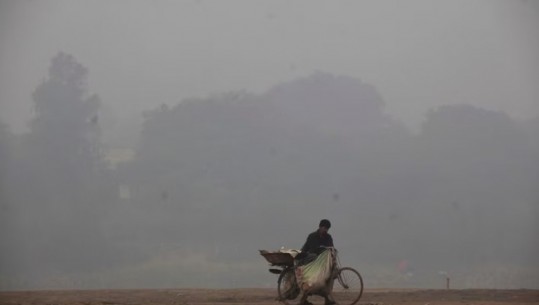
(419, 54)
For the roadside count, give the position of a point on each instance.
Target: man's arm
(307, 244)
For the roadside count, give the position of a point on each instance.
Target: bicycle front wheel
(348, 286)
(287, 287)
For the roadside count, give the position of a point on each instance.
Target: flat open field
(260, 297)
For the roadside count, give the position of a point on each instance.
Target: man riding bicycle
(316, 243)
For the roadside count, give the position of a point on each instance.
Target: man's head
(324, 226)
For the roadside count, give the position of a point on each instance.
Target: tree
(302, 146)
(67, 184)
(66, 125)
(476, 173)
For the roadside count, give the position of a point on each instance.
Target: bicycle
(346, 282)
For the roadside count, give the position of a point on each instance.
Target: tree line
(246, 171)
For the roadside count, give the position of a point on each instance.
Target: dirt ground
(261, 297)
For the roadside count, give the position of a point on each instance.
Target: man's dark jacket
(314, 242)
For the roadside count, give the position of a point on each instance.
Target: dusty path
(260, 297)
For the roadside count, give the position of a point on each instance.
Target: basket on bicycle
(278, 258)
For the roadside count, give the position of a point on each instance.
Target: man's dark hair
(325, 223)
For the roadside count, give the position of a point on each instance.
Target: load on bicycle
(314, 270)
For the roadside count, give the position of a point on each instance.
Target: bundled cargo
(317, 274)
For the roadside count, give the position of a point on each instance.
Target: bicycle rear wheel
(287, 287)
(348, 286)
